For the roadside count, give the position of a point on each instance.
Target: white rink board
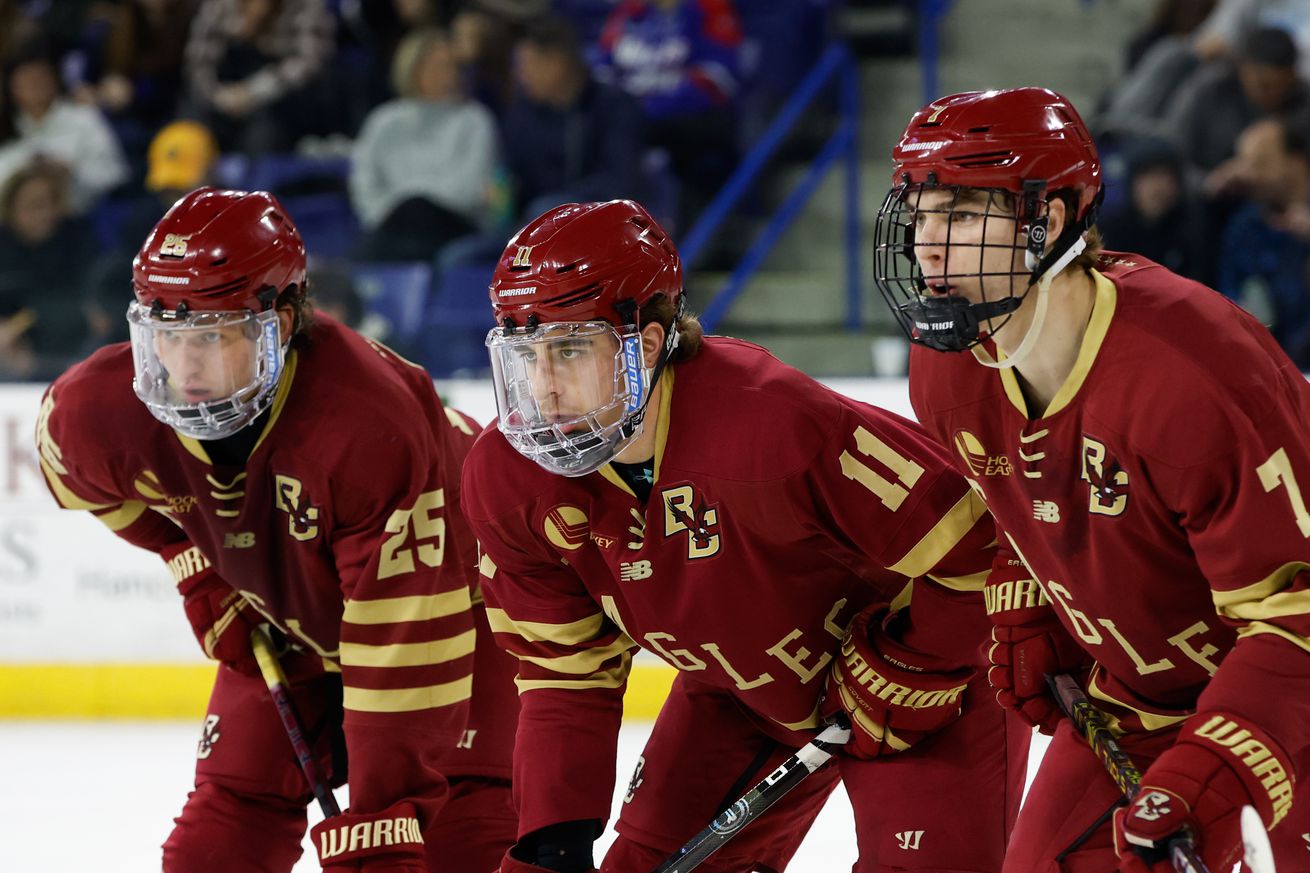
(72, 592)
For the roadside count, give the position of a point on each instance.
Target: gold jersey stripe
(586, 662)
(407, 699)
(974, 582)
(611, 678)
(943, 537)
(66, 498)
(569, 634)
(1244, 602)
(148, 490)
(409, 654)
(457, 421)
(809, 722)
(1264, 627)
(487, 567)
(398, 610)
(123, 515)
(1150, 720)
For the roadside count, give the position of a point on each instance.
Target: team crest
(302, 516)
(1108, 481)
(567, 528)
(684, 510)
(976, 458)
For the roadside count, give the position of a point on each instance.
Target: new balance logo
(909, 840)
(634, 571)
(1047, 511)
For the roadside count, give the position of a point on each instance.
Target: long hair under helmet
(578, 279)
(1017, 147)
(207, 281)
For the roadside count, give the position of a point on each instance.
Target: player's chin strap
(1043, 287)
(1044, 267)
(639, 399)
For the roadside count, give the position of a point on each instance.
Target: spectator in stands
(1265, 251)
(1159, 219)
(140, 68)
(1221, 100)
(1171, 19)
(483, 37)
(181, 158)
(17, 30)
(43, 124)
(44, 252)
(255, 72)
(424, 166)
(568, 137)
(680, 59)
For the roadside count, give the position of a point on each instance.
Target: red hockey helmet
(1002, 140)
(207, 344)
(1026, 143)
(586, 262)
(217, 250)
(571, 377)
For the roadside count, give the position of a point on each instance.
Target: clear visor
(207, 374)
(566, 393)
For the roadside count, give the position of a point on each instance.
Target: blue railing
(835, 63)
(931, 13)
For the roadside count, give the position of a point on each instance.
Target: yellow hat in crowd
(180, 157)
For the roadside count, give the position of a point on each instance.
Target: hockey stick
(1091, 723)
(752, 805)
(278, 688)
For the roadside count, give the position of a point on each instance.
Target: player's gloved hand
(1028, 642)
(220, 617)
(881, 685)
(1220, 763)
(390, 841)
(1020, 658)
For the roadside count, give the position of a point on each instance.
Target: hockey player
(291, 472)
(649, 486)
(1142, 443)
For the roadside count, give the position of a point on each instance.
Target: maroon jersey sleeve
(573, 659)
(890, 489)
(81, 476)
(407, 636)
(1238, 495)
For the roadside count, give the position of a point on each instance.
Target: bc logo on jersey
(1108, 481)
(684, 511)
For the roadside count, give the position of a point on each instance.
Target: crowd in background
(1206, 142)
(411, 131)
(423, 132)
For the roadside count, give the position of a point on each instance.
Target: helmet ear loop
(1034, 213)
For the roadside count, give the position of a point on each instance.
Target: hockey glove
(1028, 642)
(390, 841)
(1220, 763)
(891, 701)
(221, 618)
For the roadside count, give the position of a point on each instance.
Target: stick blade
(1255, 842)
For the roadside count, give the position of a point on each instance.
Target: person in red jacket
(294, 474)
(1141, 443)
(648, 486)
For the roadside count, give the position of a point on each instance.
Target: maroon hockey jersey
(343, 528)
(1158, 500)
(779, 510)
